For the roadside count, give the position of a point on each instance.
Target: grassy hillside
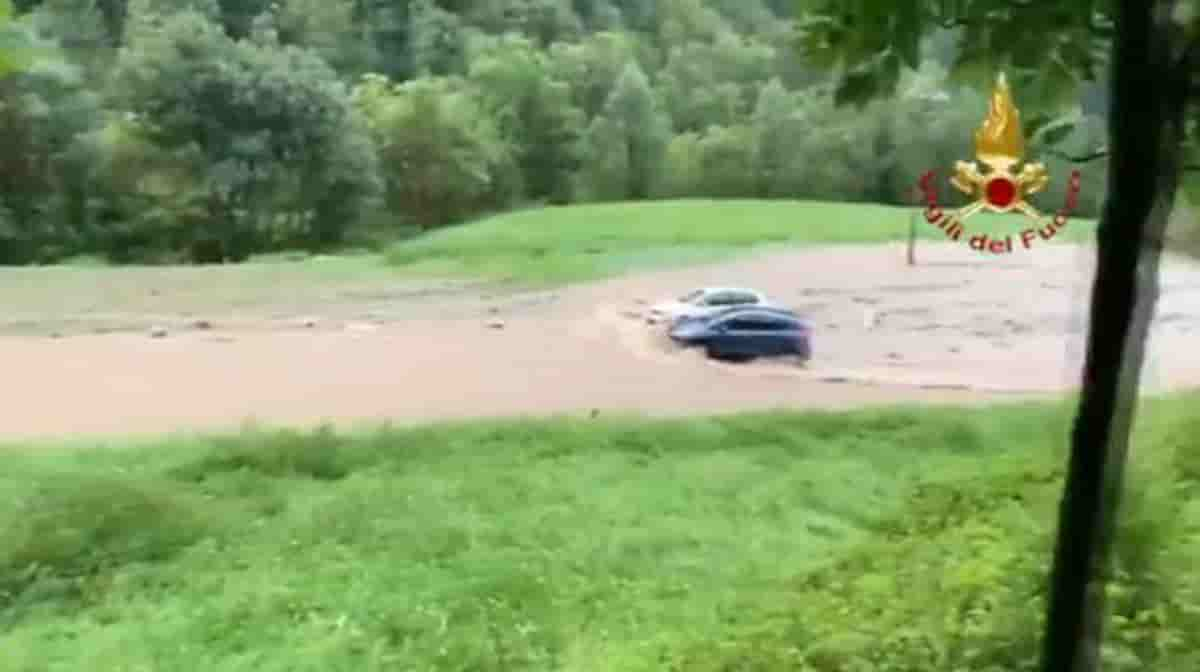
(901, 539)
(585, 242)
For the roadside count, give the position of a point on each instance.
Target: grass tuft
(64, 529)
(320, 455)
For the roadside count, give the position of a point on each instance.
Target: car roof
(742, 290)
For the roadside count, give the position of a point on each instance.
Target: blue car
(747, 333)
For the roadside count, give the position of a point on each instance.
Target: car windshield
(691, 297)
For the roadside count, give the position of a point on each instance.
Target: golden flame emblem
(999, 148)
(1000, 136)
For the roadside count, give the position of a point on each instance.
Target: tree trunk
(1145, 128)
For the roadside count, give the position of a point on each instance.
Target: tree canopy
(1049, 50)
(209, 129)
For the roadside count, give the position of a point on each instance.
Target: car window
(715, 299)
(756, 323)
(768, 324)
(730, 298)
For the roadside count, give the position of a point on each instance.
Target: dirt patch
(956, 328)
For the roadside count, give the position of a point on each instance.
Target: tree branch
(1084, 158)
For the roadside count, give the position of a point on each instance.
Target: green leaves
(857, 88)
(1054, 85)
(279, 151)
(16, 43)
(631, 132)
(870, 80)
(908, 46)
(1048, 48)
(868, 42)
(534, 111)
(441, 155)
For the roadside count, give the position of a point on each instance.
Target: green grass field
(894, 539)
(585, 242)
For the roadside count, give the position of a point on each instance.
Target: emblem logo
(999, 180)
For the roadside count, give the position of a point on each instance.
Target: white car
(702, 302)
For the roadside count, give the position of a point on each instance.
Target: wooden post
(912, 239)
(912, 231)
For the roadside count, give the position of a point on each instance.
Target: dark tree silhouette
(1150, 80)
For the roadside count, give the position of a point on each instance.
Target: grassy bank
(903, 539)
(585, 242)
(549, 246)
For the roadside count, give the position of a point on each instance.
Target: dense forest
(208, 130)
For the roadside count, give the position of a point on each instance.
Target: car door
(761, 335)
(727, 337)
(778, 335)
(745, 335)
